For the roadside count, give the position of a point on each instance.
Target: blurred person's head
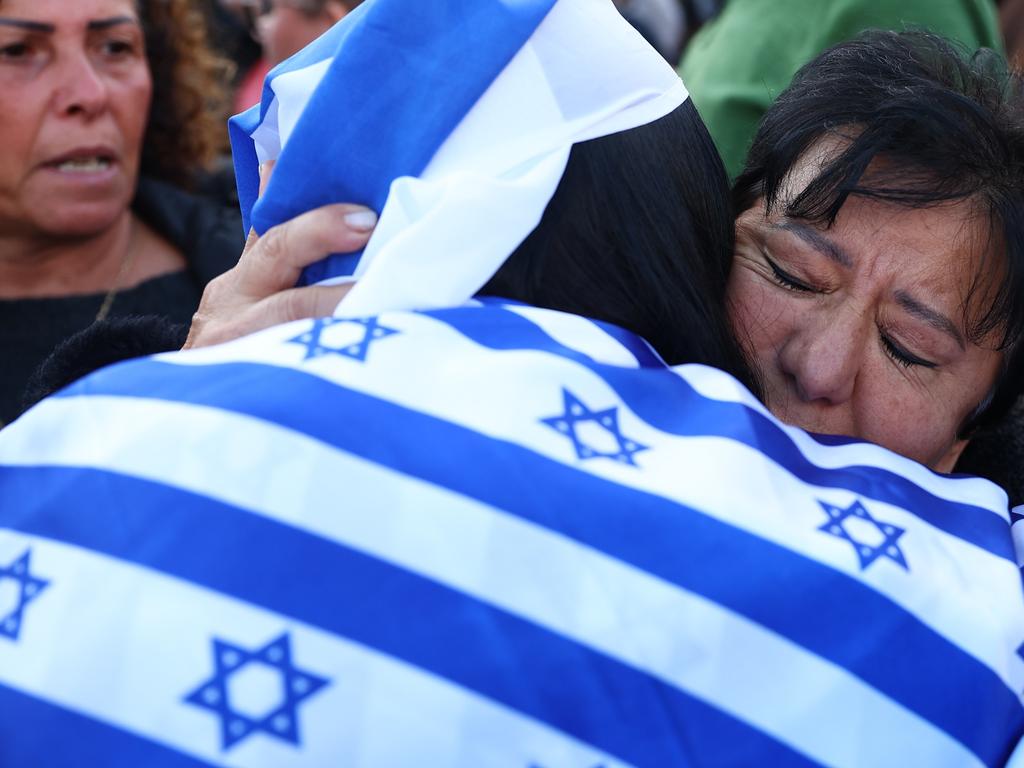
(284, 27)
(878, 282)
(92, 92)
(1011, 24)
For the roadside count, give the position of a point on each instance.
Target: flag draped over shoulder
(479, 535)
(492, 535)
(453, 118)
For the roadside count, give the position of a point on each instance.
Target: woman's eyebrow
(933, 317)
(101, 24)
(31, 26)
(49, 29)
(817, 241)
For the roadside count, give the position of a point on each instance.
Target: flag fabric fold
(492, 535)
(454, 120)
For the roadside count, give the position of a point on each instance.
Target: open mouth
(84, 164)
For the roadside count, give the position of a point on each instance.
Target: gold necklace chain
(122, 273)
(108, 301)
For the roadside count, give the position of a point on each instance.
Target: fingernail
(361, 221)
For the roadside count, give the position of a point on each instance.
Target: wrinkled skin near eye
(860, 329)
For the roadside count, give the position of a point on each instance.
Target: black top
(998, 455)
(30, 329)
(209, 237)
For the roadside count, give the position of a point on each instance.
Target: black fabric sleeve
(102, 343)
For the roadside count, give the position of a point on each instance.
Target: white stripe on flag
(718, 385)
(125, 645)
(291, 90)
(553, 581)
(580, 334)
(701, 472)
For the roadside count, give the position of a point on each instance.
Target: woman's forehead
(62, 12)
(944, 255)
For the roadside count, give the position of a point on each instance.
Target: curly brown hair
(187, 128)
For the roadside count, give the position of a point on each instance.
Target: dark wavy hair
(639, 234)
(187, 129)
(947, 125)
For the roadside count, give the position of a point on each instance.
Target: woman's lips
(83, 156)
(92, 165)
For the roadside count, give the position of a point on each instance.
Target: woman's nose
(821, 358)
(83, 90)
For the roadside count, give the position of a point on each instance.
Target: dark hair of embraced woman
(112, 110)
(878, 284)
(639, 234)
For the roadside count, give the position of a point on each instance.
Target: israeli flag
(406, 102)
(484, 534)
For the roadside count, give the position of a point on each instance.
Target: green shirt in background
(738, 64)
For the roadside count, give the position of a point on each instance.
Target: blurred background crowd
(136, 217)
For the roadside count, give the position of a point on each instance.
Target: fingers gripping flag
(453, 118)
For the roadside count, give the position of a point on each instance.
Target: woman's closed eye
(787, 280)
(901, 356)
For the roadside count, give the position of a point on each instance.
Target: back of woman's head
(639, 234)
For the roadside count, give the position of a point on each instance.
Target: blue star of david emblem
(867, 552)
(312, 339)
(576, 414)
(1020, 651)
(29, 588)
(279, 721)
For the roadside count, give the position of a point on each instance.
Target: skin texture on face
(75, 90)
(286, 29)
(860, 329)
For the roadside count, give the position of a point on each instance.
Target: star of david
(29, 588)
(576, 413)
(312, 339)
(281, 721)
(888, 548)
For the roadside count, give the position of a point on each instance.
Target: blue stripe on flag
(635, 716)
(401, 81)
(241, 127)
(645, 356)
(668, 403)
(658, 536)
(247, 166)
(36, 734)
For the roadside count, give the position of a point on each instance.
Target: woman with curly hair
(112, 109)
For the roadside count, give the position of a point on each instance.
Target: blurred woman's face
(75, 90)
(286, 27)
